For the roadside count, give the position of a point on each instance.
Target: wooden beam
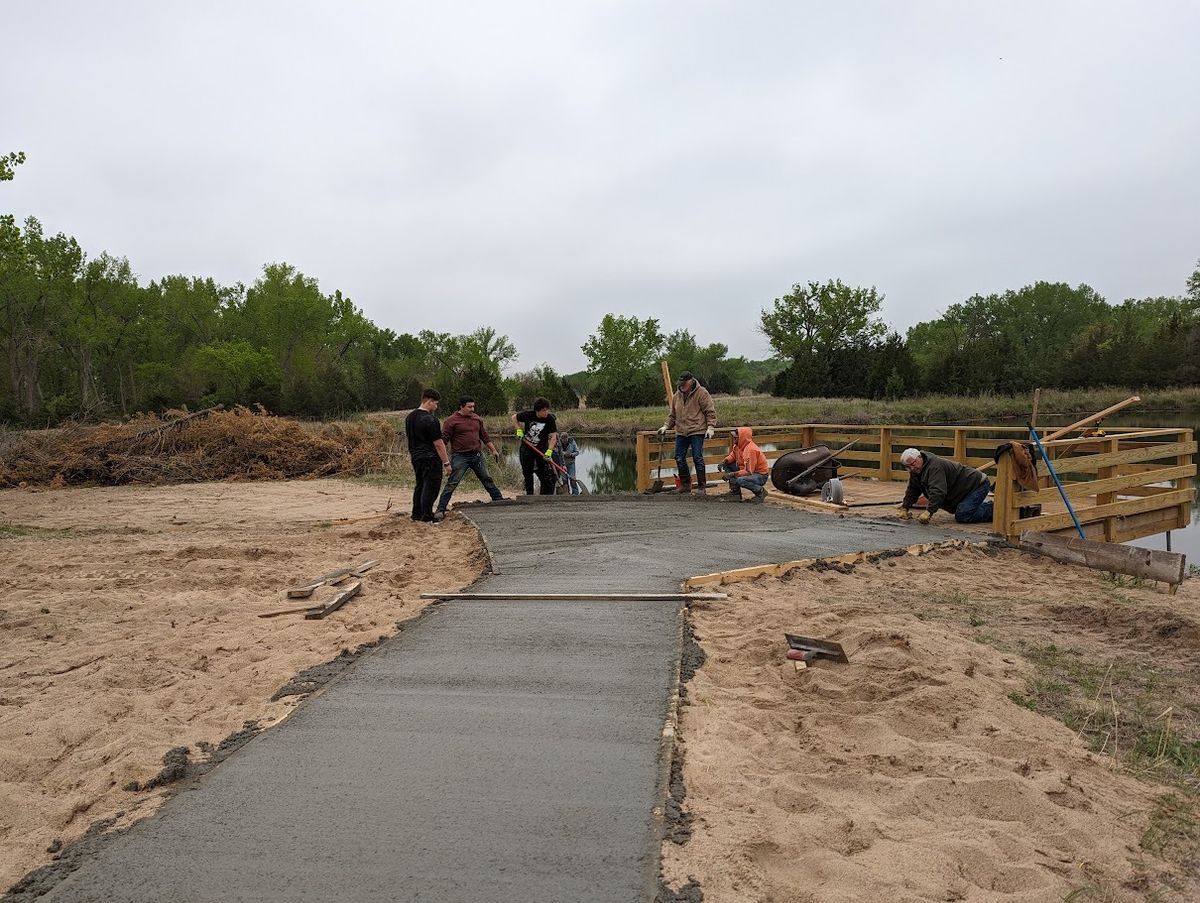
(1047, 522)
(1078, 488)
(666, 373)
(803, 501)
(1148, 563)
(1088, 463)
(579, 597)
(324, 611)
(304, 590)
(738, 575)
(1111, 409)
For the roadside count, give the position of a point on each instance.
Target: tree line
(83, 337)
(1047, 334)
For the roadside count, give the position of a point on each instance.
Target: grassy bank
(927, 409)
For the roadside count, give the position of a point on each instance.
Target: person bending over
(959, 489)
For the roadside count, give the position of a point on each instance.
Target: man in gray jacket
(959, 489)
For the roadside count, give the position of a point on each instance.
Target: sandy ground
(911, 773)
(128, 626)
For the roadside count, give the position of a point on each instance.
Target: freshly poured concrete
(493, 750)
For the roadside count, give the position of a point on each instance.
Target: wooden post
(1004, 514)
(1037, 397)
(885, 454)
(1107, 498)
(666, 372)
(960, 445)
(643, 459)
(1185, 508)
(808, 436)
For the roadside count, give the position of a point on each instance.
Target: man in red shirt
(465, 437)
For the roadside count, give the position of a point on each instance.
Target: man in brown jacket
(694, 418)
(465, 437)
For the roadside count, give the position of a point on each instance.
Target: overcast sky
(533, 166)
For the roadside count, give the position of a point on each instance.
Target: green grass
(925, 409)
(21, 531)
(1126, 708)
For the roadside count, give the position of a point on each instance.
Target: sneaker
(438, 517)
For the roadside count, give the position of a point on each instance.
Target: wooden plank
(324, 611)
(960, 446)
(1004, 509)
(1185, 508)
(1093, 463)
(738, 575)
(1107, 486)
(1151, 564)
(1100, 415)
(1048, 522)
(1148, 523)
(803, 501)
(643, 462)
(304, 590)
(578, 597)
(295, 610)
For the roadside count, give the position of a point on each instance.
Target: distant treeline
(84, 338)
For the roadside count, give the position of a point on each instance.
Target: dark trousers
(975, 508)
(459, 465)
(694, 444)
(532, 461)
(428, 472)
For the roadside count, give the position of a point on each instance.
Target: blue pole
(1050, 467)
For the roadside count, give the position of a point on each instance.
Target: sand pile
(919, 771)
(129, 628)
(182, 448)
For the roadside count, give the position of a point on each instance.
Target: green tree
(823, 317)
(622, 355)
(9, 163)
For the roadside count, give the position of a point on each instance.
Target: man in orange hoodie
(746, 466)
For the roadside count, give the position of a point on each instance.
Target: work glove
(924, 517)
(708, 433)
(520, 433)
(662, 431)
(548, 455)
(903, 513)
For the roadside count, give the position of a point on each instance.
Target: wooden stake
(1037, 397)
(666, 372)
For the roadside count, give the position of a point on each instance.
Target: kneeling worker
(746, 466)
(959, 489)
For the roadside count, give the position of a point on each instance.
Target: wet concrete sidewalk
(491, 751)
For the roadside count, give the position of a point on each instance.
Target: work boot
(760, 495)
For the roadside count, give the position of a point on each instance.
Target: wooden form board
(1167, 567)
(737, 575)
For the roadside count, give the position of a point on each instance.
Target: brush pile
(182, 447)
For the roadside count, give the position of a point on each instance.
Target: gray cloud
(533, 166)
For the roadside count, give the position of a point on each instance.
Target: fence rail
(1127, 483)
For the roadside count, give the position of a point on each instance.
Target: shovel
(657, 486)
(562, 471)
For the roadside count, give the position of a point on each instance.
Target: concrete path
(493, 751)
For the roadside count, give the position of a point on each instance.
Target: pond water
(610, 465)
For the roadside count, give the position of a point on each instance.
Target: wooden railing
(1131, 482)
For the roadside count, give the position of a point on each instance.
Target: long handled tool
(562, 471)
(1062, 492)
(657, 486)
(802, 474)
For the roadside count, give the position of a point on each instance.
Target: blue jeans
(459, 465)
(974, 509)
(751, 481)
(571, 473)
(696, 445)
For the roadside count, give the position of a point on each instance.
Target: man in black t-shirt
(538, 428)
(428, 454)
